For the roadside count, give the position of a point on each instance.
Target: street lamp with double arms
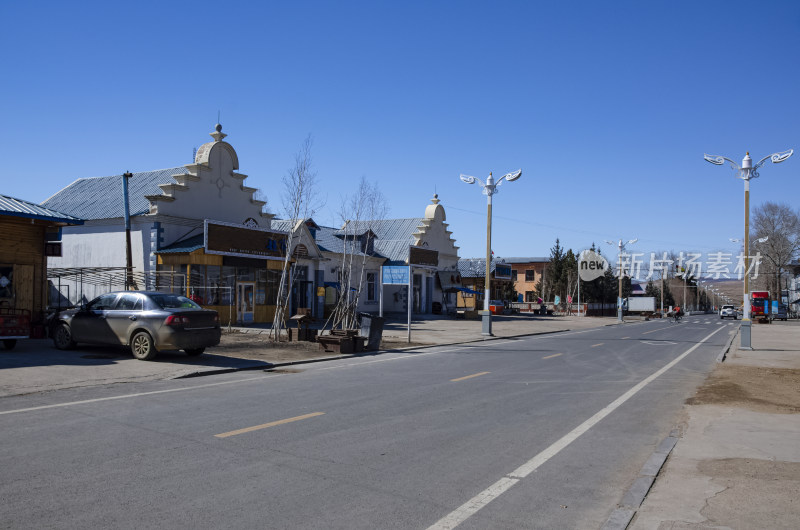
(747, 171)
(489, 189)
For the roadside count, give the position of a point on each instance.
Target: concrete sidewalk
(36, 366)
(737, 461)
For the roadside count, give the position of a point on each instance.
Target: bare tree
(360, 214)
(300, 201)
(780, 224)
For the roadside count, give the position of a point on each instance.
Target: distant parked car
(728, 311)
(781, 314)
(144, 320)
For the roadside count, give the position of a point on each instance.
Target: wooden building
(28, 234)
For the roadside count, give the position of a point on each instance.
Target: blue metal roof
(101, 197)
(328, 242)
(189, 244)
(19, 208)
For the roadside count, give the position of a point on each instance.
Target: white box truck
(645, 304)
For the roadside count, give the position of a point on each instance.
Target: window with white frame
(372, 287)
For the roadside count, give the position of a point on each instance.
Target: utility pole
(129, 282)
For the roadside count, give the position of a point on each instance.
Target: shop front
(234, 269)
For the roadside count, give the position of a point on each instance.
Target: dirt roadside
(770, 390)
(258, 346)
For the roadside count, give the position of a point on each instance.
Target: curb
(622, 516)
(725, 349)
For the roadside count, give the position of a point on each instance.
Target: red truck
(759, 306)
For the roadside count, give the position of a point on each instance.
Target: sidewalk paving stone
(737, 463)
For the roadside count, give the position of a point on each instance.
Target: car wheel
(62, 339)
(142, 346)
(194, 352)
(735, 318)
(9, 343)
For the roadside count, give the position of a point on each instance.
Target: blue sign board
(396, 275)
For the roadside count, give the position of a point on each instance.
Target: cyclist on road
(678, 313)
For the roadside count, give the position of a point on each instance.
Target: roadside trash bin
(372, 330)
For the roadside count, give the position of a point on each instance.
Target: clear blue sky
(607, 107)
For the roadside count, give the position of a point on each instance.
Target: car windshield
(172, 301)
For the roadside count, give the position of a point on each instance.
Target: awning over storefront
(336, 286)
(468, 291)
(449, 281)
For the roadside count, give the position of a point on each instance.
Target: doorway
(245, 292)
(417, 293)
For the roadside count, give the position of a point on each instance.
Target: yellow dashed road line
(469, 376)
(265, 425)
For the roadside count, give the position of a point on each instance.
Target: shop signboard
(229, 239)
(396, 275)
(422, 256)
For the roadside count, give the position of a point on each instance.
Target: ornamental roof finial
(218, 135)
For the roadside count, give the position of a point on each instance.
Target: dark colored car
(146, 321)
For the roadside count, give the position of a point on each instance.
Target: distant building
(423, 243)
(473, 278)
(526, 273)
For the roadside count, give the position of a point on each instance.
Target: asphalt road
(539, 432)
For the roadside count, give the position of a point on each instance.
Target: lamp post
(489, 189)
(747, 171)
(621, 246)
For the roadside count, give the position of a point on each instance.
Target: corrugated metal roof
(396, 251)
(19, 208)
(526, 260)
(392, 237)
(386, 229)
(474, 267)
(101, 197)
(328, 242)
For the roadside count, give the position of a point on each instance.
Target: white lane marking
(126, 396)
(469, 508)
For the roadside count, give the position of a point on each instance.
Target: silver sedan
(147, 321)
